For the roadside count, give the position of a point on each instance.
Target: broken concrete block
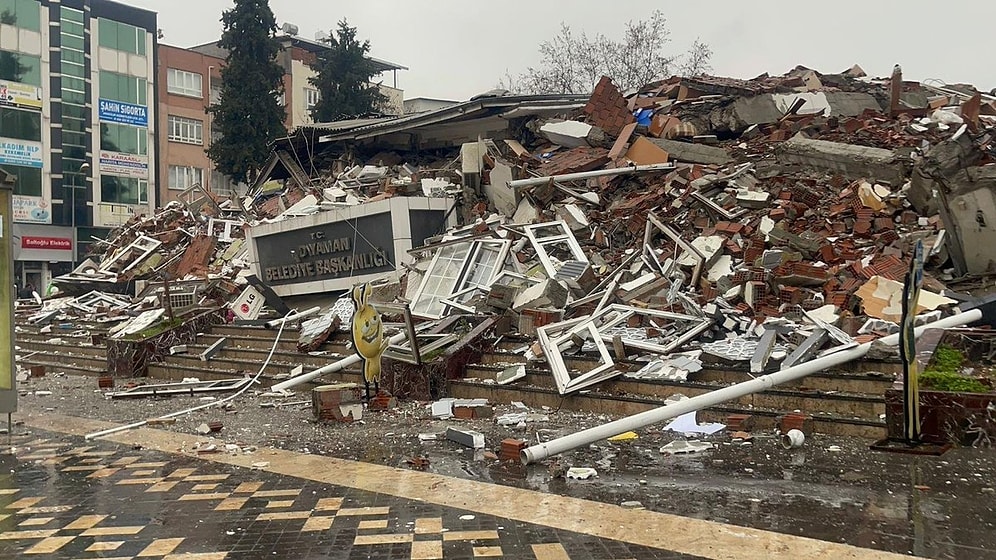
(467, 438)
(501, 296)
(707, 246)
(693, 153)
(569, 134)
(442, 408)
(549, 293)
(752, 199)
(853, 162)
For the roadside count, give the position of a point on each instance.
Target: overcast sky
(455, 49)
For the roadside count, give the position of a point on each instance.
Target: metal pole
(331, 368)
(587, 174)
(670, 411)
(72, 212)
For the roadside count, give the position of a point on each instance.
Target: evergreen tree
(343, 78)
(248, 115)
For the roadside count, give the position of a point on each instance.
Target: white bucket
(793, 439)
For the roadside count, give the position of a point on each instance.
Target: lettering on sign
(51, 243)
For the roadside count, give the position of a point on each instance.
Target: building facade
(189, 82)
(77, 125)
(296, 58)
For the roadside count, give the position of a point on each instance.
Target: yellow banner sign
(13, 94)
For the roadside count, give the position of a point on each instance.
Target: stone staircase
(848, 401)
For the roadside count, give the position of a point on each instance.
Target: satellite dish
(289, 28)
(322, 36)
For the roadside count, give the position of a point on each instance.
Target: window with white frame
(183, 177)
(311, 98)
(187, 131)
(182, 82)
(455, 269)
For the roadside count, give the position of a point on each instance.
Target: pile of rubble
(697, 220)
(760, 222)
(187, 257)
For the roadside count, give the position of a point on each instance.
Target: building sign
(126, 165)
(43, 243)
(56, 243)
(329, 251)
(32, 210)
(20, 152)
(124, 113)
(24, 96)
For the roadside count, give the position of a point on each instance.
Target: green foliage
(248, 114)
(953, 382)
(343, 78)
(944, 373)
(947, 359)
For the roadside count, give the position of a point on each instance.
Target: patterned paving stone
(112, 501)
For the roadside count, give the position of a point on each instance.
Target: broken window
(459, 270)
(555, 245)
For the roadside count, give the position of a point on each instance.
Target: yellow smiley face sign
(368, 333)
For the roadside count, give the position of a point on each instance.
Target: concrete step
(177, 372)
(854, 405)
(254, 332)
(862, 383)
(247, 365)
(252, 342)
(70, 365)
(626, 405)
(46, 337)
(66, 348)
(258, 356)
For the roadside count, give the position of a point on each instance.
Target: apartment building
(296, 58)
(189, 82)
(77, 125)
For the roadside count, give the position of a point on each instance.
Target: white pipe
(255, 380)
(588, 174)
(291, 317)
(331, 368)
(712, 398)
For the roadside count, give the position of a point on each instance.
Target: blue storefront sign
(124, 113)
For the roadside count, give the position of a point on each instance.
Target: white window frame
(184, 82)
(191, 176)
(541, 238)
(185, 131)
(449, 274)
(311, 97)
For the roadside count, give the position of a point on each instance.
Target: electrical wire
(227, 399)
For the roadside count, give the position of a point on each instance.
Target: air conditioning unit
(289, 28)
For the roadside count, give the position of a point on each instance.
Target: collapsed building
(756, 224)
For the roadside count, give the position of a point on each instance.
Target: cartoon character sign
(368, 336)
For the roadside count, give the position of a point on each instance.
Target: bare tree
(573, 63)
(696, 61)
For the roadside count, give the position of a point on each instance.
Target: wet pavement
(141, 493)
(62, 497)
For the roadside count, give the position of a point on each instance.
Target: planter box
(961, 418)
